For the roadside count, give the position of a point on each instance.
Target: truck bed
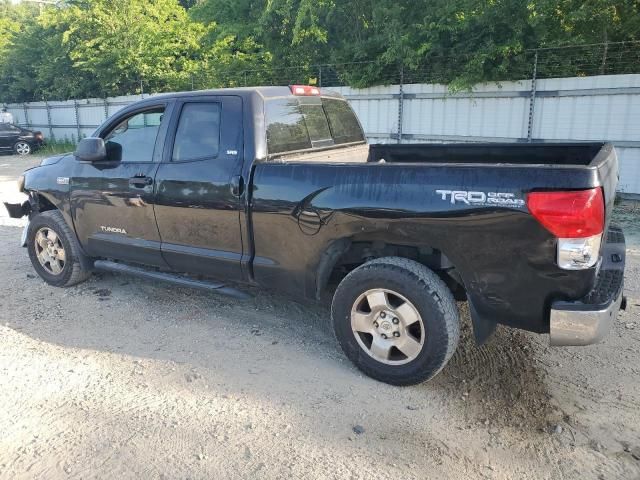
(579, 154)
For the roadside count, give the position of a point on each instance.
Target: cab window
(198, 133)
(134, 138)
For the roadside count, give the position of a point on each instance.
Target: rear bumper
(588, 320)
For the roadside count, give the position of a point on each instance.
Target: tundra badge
(113, 230)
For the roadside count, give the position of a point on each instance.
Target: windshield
(303, 123)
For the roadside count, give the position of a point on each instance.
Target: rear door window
(198, 134)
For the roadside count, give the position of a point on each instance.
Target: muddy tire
(54, 250)
(396, 320)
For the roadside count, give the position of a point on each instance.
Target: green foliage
(119, 43)
(85, 48)
(53, 147)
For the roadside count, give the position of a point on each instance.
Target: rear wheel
(22, 148)
(54, 250)
(396, 320)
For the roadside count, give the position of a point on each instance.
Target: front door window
(134, 139)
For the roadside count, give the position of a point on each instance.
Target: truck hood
(55, 159)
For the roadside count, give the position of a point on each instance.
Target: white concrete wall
(601, 108)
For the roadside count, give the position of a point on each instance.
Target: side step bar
(176, 279)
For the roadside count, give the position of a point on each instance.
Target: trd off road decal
(480, 198)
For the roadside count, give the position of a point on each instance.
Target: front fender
(48, 187)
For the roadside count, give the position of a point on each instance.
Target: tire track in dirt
(216, 366)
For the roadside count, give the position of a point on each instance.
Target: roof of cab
(264, 92)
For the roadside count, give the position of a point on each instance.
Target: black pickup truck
(277, 187)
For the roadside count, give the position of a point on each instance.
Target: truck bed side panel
(505, 257)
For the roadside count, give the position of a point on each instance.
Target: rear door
(199, 189)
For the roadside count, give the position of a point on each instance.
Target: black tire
(22, 148)
(72, 272)
(429, 296)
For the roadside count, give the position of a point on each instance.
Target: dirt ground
(123, 378)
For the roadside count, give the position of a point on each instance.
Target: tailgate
(606, 163)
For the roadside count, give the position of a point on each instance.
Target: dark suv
(19, 140)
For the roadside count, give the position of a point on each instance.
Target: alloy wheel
(387, 326)
(50, 251)
(23, 148)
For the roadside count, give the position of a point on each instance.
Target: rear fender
(483, 325)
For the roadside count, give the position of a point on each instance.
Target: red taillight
(575, 214)
(305, 90)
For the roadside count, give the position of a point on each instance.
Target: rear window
(309, 122)
(342, 121)
(286, 128)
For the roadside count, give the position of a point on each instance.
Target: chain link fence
(460, 70)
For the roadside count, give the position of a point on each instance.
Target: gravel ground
(124, 378)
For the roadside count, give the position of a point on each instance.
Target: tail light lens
(577, 219)
(576, 214)
(305, 90)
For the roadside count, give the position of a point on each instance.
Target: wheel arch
(345, 251)
(77, 267)
(353, 251)
(42, 201)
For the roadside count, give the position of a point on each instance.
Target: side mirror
(91, 149)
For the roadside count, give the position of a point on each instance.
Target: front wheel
(22, 148)
(54, 250)
(396, 320)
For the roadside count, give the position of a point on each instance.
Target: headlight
(21, 183)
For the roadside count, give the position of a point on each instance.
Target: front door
(117, 220)
(198, 190)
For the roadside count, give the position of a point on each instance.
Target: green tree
(123, 43)
(102, 47)
(36, 64)
(234, 54)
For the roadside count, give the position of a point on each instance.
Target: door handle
(237, 185)
(140, 181)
